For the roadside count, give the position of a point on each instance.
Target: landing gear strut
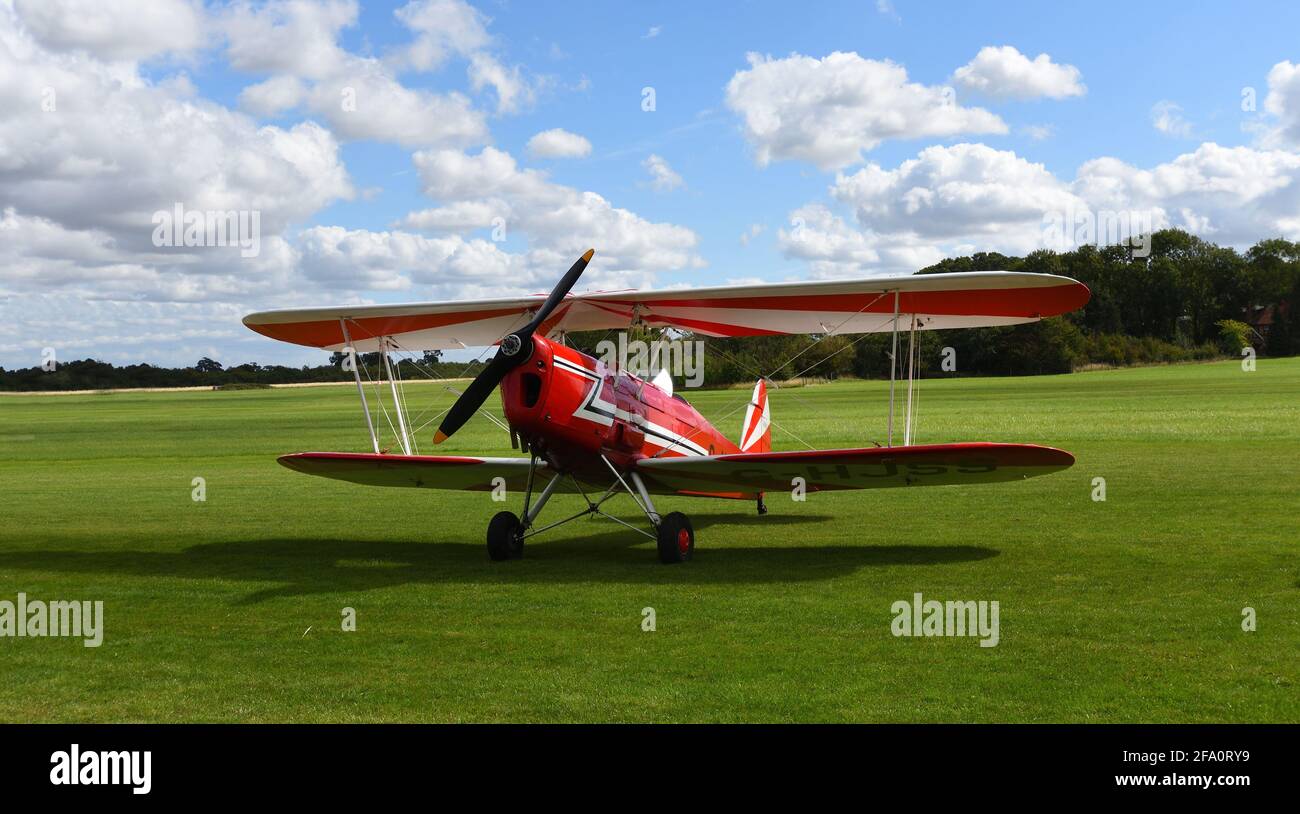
(673, 533)
(506, 532)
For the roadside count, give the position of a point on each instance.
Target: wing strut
(893, 364)
(356, 374)
(911, 367)
(384, 343)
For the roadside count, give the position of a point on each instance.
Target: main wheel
(505, 539)
(676, 538)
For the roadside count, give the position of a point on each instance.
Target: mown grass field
(230, 609)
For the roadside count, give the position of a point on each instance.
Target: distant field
(229, 609)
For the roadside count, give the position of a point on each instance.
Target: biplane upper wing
(426, 471)
(833, 469)
(866, 305)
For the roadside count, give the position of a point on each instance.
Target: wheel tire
(676, 539)
(504, 538)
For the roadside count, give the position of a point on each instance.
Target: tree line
(89, 374)
(1187, 299)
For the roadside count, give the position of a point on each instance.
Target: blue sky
(1131, 56)
(1155, 89)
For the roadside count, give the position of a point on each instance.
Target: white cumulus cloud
(361, 97)
(115, 29)
(558, 221)
(957, 191)
(558, 143)
(830, 111)
(274, 96)
(964, 198)
(1003, 72)
(514, 91)
(293, 37)
(1283, 104)
(1167, 117)
(1231, 195)
(91, 152)
(663, 178)
(443, 28)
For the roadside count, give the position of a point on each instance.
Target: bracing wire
(826, 335)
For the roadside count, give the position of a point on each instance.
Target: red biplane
(597, 431)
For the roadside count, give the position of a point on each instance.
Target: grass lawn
(229, 609)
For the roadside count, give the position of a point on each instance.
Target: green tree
(1234, 335)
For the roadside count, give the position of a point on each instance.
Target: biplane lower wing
(422, 471)
(738, 475)
(834, 469)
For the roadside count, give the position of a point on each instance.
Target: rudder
(756, 432)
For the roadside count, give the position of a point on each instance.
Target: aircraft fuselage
(571, 408)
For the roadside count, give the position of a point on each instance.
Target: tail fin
(756, 432)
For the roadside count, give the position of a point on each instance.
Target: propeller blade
(558, 293)
(515, 349)
(473, 396)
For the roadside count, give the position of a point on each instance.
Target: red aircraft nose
(523, 390)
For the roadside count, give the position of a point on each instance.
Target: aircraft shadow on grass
(303, 565)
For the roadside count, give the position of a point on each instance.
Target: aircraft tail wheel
(676, 538)
(505, 540)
